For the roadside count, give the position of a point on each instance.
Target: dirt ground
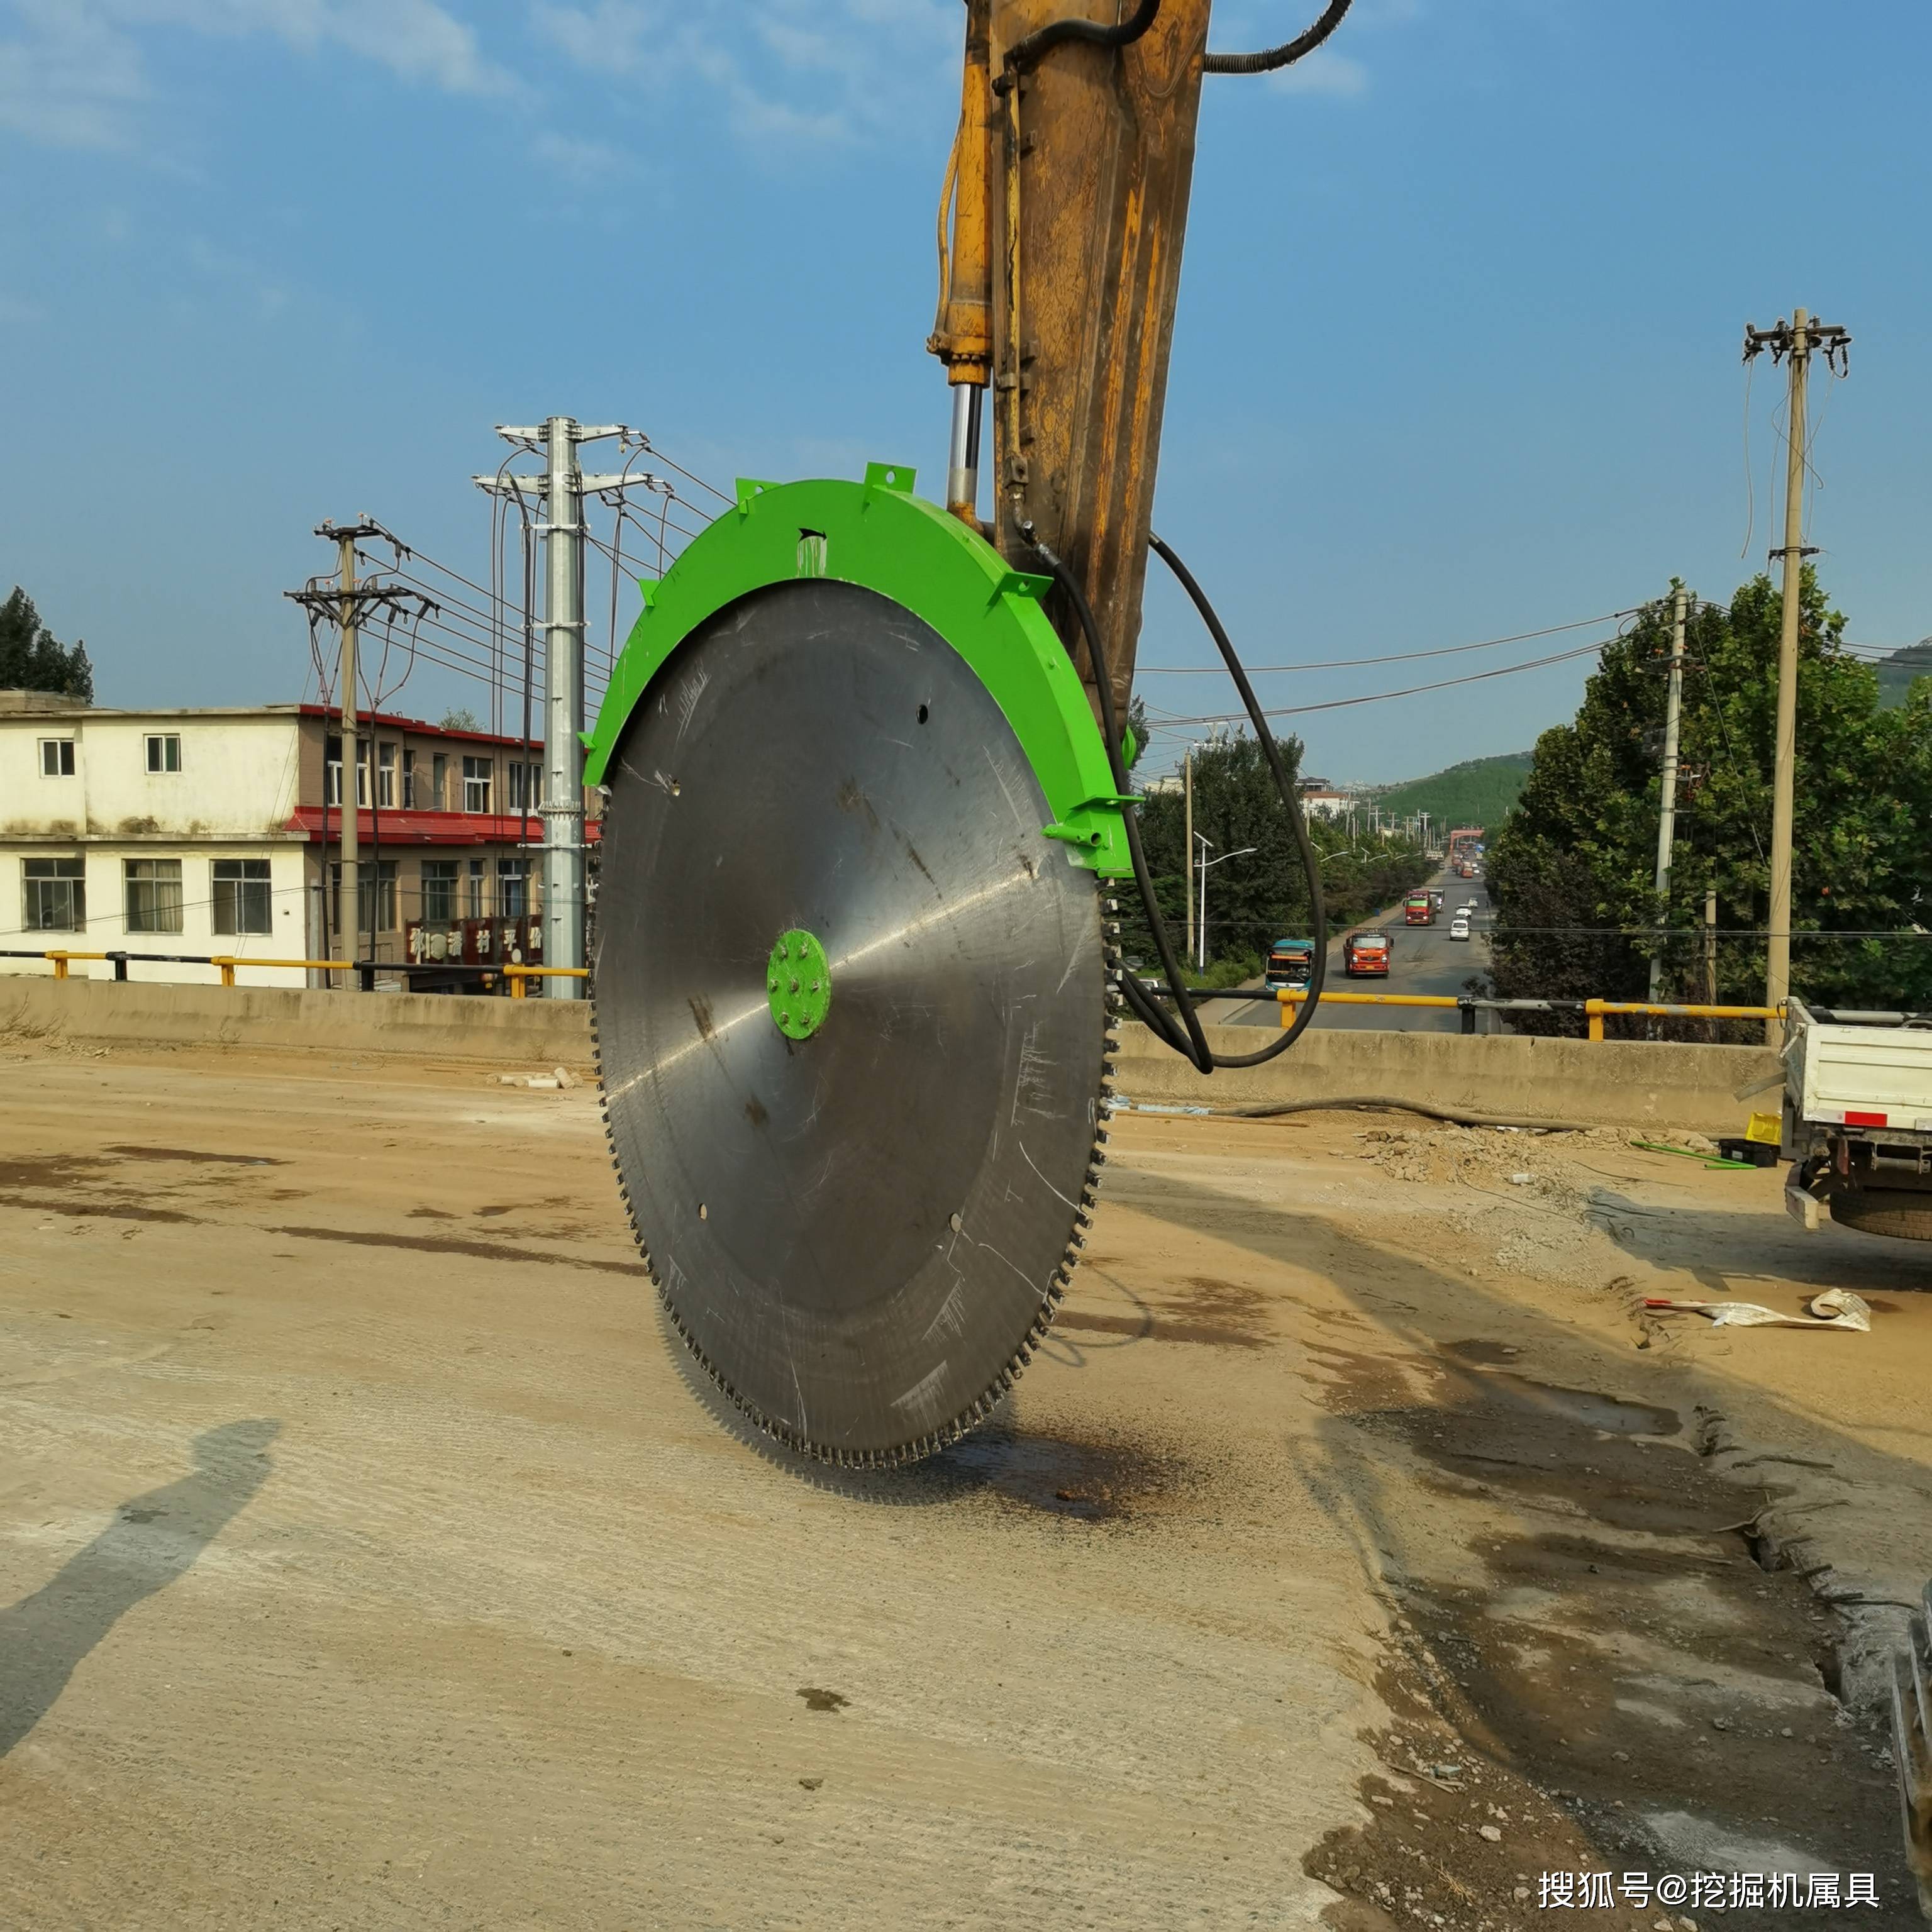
(1357, 1553)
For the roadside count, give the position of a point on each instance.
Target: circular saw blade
(860, 1208)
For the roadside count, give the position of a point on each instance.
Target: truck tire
(1905, 1213)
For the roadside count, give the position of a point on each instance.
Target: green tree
(32, 659)
(460, 718)
(1262, 896)
(1572, 870)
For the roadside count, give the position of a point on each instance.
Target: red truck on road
(1365, 952)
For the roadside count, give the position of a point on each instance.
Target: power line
(1411, 690)
(1398, 657)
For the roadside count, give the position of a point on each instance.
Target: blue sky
(1457, 355)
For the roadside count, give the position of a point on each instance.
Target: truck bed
(1869, 1076)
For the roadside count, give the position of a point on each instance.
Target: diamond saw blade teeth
(851, 1020)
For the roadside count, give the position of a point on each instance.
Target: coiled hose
(1188, 1038)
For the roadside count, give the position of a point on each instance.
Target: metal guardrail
(365, 970)
(1594, 1011)
(518, 976)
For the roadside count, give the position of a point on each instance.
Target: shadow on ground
(153, 1539)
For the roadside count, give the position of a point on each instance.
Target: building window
(409, 779)
(439, 891)
(510, 889)
(476, 908)
(385, 776)
(374, 909)
(56, 895)
(154, 895)
(439, 780)
(164, 751)
(476, 772)
(526, 786)
(57, 757)
(332, 780)
(241, 897)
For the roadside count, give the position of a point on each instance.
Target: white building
(207, 833)
(1320, 799)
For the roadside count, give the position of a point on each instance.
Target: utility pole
(349, 902)
(1667, 816)
(1187, 843)
(1793, 343)
(1711, 954)
(344, 606)
(562, 486)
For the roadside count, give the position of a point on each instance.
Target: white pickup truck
(1858, 1119)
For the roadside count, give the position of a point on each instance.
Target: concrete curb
(1618, 1083)
(421, 1026)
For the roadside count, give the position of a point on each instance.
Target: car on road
(1459, 926)
(1290, 963)
(1367, 951)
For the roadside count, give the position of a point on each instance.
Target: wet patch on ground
(1591, 1671)
(1057, 1475)
(48, 1170)
(450, 1244)
(111, 1209)
(80, 1186)
(130, 1152)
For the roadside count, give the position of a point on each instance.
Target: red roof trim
(429, 828)
(421, 727)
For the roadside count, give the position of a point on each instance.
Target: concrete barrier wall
(509, 1033)
(1617, 1083)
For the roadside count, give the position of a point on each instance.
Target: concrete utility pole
(1793, 343)
(342, 606)
(349, 917)
(562, 486)
(1667, 816)
(1187, 841)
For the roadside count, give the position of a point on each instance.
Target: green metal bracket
(877, 535)
(1019, 583)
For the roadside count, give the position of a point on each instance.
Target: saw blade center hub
(798, 984)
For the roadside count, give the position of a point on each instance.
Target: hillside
(1479, 792)
(1896, 672)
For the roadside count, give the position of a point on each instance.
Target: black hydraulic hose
(1361, 1103)
(1087, 33)
(1270, 59)
(1194, 1045)
(1191, 1044)
(1311, 866)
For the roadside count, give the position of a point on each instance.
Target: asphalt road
(1422, 959)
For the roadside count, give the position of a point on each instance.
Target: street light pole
(1187, 840)
(1200, 962)
(1199, 922)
